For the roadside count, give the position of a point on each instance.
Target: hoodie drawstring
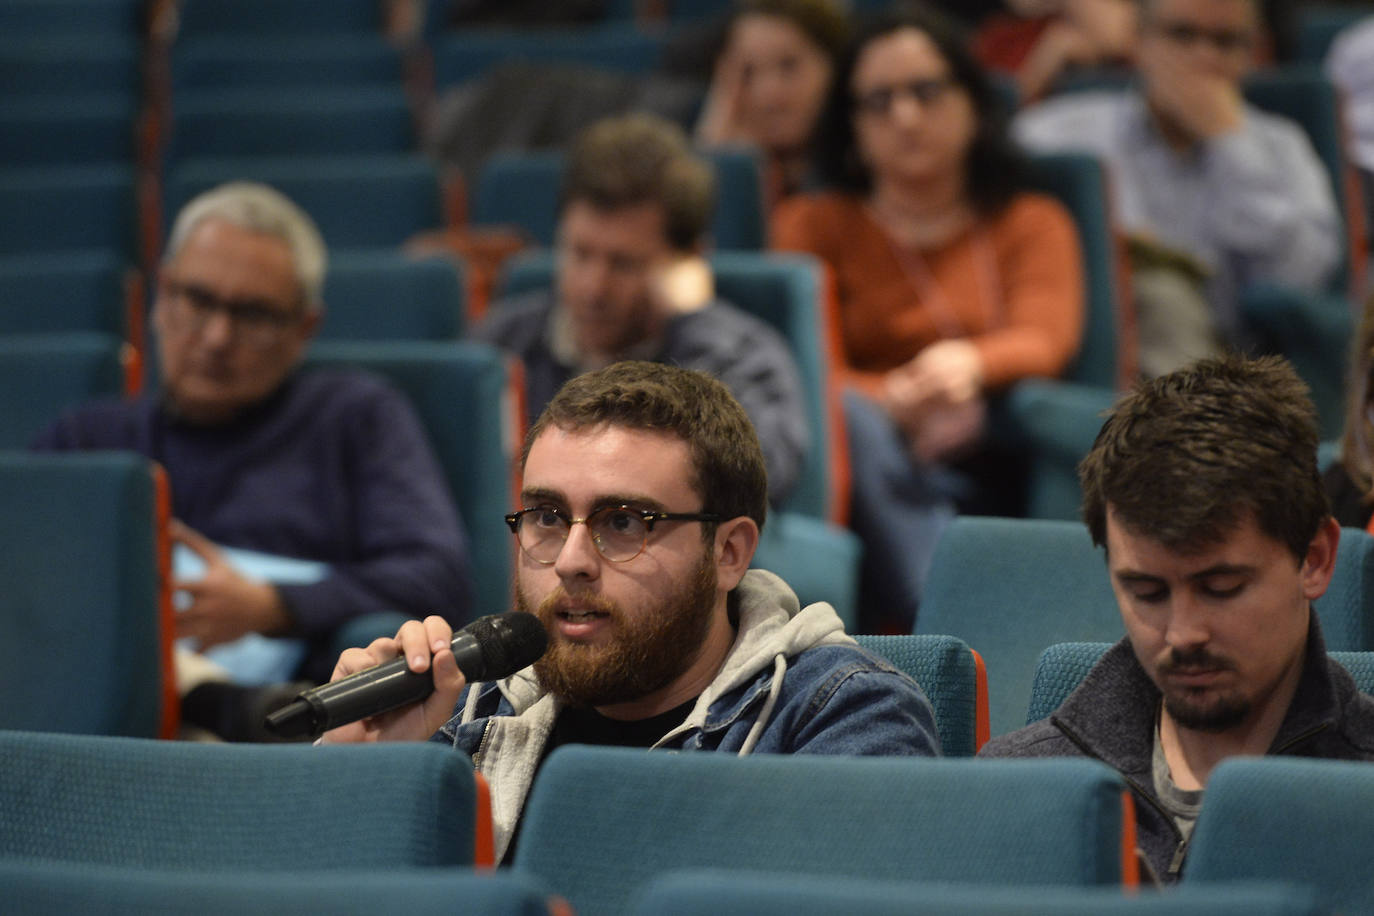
(774, 688)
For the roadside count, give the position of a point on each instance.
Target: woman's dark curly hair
(996, 169)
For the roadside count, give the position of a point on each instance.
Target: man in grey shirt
(1218, 193)
(630, 283)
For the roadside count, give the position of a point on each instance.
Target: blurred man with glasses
(328, 468)
(644, 492)
(1215, 195)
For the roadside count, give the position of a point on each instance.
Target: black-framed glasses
(619, 532)
(880, 99)
(260, 323)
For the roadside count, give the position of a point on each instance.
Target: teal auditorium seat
(387, 295)
(466, 395)
(357, 201)
(1347, 608)
(67, 208)
(785, 290)
(198, 807)
(1289, 819)
(1360, 665)
(1010, 587)
(708, 892)
(520, 189)
(1312, 329)
(952, 676)
(462, 54)
(288, 121)
(1060, 669)
(1320, 23)
(55, 64)
(259, 18)
(42, 888)
(43, 374)
(600, 822)
(819, 560)
(1055, 420)
(278, 61)
(82, 615)
(84, 129)
(93, 19)
(46, 293)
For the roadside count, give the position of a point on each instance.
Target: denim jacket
(792, 683)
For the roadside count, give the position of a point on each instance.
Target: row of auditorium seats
(84, 550)
(121, 822)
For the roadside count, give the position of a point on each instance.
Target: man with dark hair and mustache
(643, 494)
(1203, 489)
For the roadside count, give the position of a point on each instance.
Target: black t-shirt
(584, 725)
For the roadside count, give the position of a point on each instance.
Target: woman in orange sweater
(952, 282)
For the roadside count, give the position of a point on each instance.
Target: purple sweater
(333, 467)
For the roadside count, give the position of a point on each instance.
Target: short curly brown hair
(727, 460)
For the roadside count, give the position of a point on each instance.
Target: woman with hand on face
(770, 83)
(951, 281)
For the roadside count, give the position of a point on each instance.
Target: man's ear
(1320, 563)
(310, 323)
(736, 541)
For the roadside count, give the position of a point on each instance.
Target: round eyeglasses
(619, 532)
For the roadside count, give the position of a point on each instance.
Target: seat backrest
(197, 18)
(1010, 587)
(463, 54)
(83, 553)
(1079, 182)
(520, 189)
(714, 892)
(48, 293)
(53, 63)
(65, 208)
(1347, 608)
(1303, 94)
(819, 560)
(467, 396)
(635, 815)
(1061, 668)
(1287, 818)
(290, 121)
(357, 201)
(85, 129)
(278, 61)
(1360, 665)
(785, 291)
(952, 676)
(181, 805)
(387, 295)
(42, 375)
(34, 888)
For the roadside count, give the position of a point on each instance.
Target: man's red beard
(647, 650)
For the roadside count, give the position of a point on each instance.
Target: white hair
(258, 208)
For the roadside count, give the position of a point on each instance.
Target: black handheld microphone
(487, 649)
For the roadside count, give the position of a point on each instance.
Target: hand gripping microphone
(487, 649)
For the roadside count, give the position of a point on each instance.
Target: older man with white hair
(324, 466)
